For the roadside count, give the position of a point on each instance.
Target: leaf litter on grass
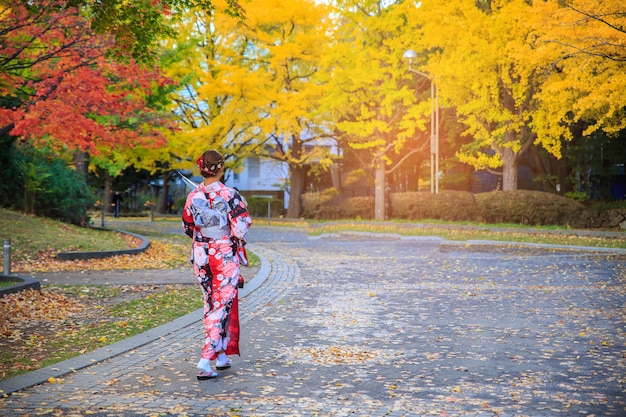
(162, 254)
(38, 328)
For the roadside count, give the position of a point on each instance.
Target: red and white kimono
(216, 218)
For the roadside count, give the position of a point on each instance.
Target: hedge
(526, 207)
(329, 205)
(446, 205)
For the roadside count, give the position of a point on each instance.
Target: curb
(450, 245)
(23, 284)
(70, 256)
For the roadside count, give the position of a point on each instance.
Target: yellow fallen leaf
(456, 389)
(52, 379)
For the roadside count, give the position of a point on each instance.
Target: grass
(30, 235)
(128, 318)
(475, 231)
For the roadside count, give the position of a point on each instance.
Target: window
(254, 167)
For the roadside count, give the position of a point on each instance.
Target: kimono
(216, 218)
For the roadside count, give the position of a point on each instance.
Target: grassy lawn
(463, 232)
(30, 235)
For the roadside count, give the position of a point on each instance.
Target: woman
(216, 218)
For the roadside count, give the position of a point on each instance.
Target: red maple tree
(60, 89)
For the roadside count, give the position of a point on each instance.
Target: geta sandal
(221, 366)
(203, 375)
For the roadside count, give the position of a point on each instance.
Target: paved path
(372, 325)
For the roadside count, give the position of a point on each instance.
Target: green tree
(49, 187)
(35, 175)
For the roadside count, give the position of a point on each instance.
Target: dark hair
(210, 162)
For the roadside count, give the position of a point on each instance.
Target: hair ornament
(211, 169)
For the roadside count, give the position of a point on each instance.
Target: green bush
(401, 204)
(257, 206)
(578, 196)
(179, 204)
(529, 208)
(11, 183)
(67, 196)
(446, 205)
(533, 208)
(358, 208)
(321, 205)
(33, 181)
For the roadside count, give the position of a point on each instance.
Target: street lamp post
(410, 56)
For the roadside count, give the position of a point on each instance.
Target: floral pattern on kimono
(216, 217)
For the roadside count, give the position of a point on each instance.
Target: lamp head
(410, 56)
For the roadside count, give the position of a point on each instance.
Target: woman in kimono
(217, 220)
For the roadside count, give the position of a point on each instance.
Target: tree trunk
(379, 190)
(509, 170)
(108, 192)
(162, 203)
(335, 175)
(563, 172)
(296, 190)
(81, 161)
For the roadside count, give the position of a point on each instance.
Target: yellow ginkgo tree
(252, 88)
(214, 101)
(371, 94)
(518, 73)
(587, 82)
